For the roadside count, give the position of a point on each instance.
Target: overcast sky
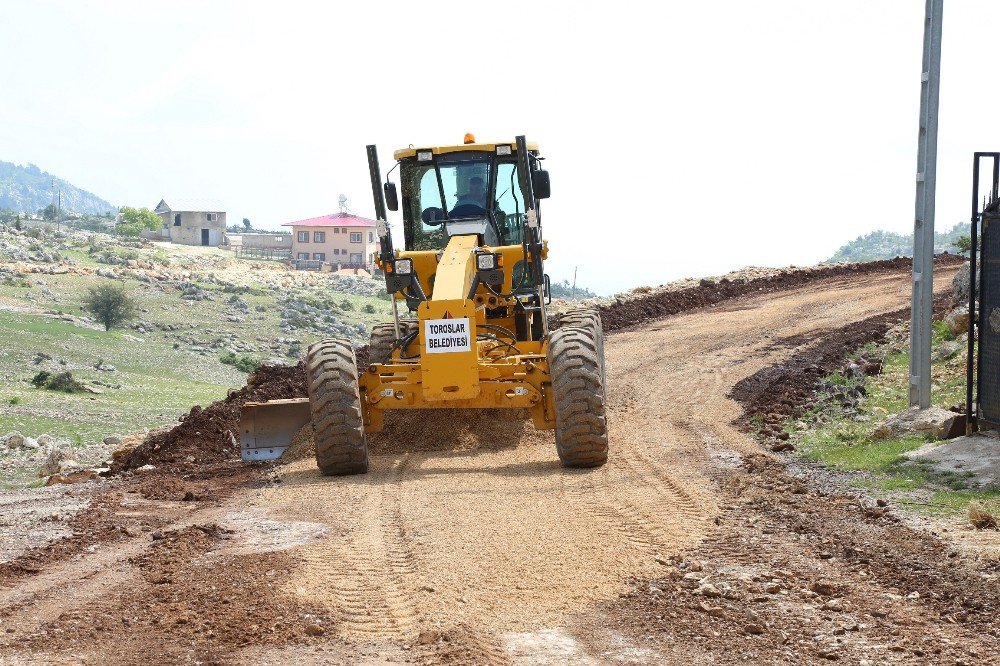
(682, 138)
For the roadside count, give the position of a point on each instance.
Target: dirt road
(466, 542)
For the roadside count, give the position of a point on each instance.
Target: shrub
(247, 364)
(110, 304)
(64, 381)
(369, 308)
(41, 379)
(346, 305)
(16, 400)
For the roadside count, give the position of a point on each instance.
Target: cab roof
(470, 147)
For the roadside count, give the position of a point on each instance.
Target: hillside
(28, 189)
(888, 244)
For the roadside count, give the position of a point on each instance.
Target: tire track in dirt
(367, 566)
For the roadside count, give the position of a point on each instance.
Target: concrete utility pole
(923, 223)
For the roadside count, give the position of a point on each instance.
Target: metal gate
(984, 312)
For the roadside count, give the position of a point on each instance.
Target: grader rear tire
(384, 337)
(578, 396)
(589, 319)
(335, 403)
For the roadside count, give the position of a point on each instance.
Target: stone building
(192, 221)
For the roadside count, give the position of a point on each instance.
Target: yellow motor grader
(476, 334)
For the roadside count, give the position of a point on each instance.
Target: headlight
(424, 156)
(503, 150)
(404, 266)
(488, 262)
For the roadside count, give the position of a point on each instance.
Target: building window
(343, 230)
(355, 236)
(336, 230)
(336, 250)
(212, 217)
(303, 237)
(319, 237)
(303, 255)
(371, 236)
(319, 256)
(177, 220)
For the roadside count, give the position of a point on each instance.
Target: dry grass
(980, 518)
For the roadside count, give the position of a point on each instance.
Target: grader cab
(475, 334)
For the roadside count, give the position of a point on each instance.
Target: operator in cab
(476, 196)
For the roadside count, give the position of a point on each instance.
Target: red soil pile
(211, 435)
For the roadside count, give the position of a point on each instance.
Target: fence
(262, 253)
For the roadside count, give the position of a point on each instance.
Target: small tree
(135, 220)
(246, 224)
(110, 304)
(49, 213)
(963, 244)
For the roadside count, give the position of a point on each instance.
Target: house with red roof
(337, 240)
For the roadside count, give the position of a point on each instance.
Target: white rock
(30, 443)
(44, 440)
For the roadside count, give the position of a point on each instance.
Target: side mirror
(391, 198)
(540, 184)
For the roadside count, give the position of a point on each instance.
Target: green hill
(28, 189)
(888, 244)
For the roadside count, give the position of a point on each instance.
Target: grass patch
(843, 439)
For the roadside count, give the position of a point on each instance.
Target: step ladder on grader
(477, 336)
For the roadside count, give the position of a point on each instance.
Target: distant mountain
(28, 189)
(888, 244)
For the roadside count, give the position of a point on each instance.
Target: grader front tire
(589, 319)
(335, 403)
(578, 395)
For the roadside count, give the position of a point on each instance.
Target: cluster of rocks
(60, 462)
(190, 291)
(355, 285)
(13, 251)
(297, 314)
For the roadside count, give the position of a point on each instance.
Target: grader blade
(267, 428)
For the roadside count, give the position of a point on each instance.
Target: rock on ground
(60, 459)
(12, 440)
(933, 421)
(957, 320)
(960, 286)
(977, 456)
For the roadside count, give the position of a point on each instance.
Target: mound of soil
(777, 393)
(211, 435)
(624, 314)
